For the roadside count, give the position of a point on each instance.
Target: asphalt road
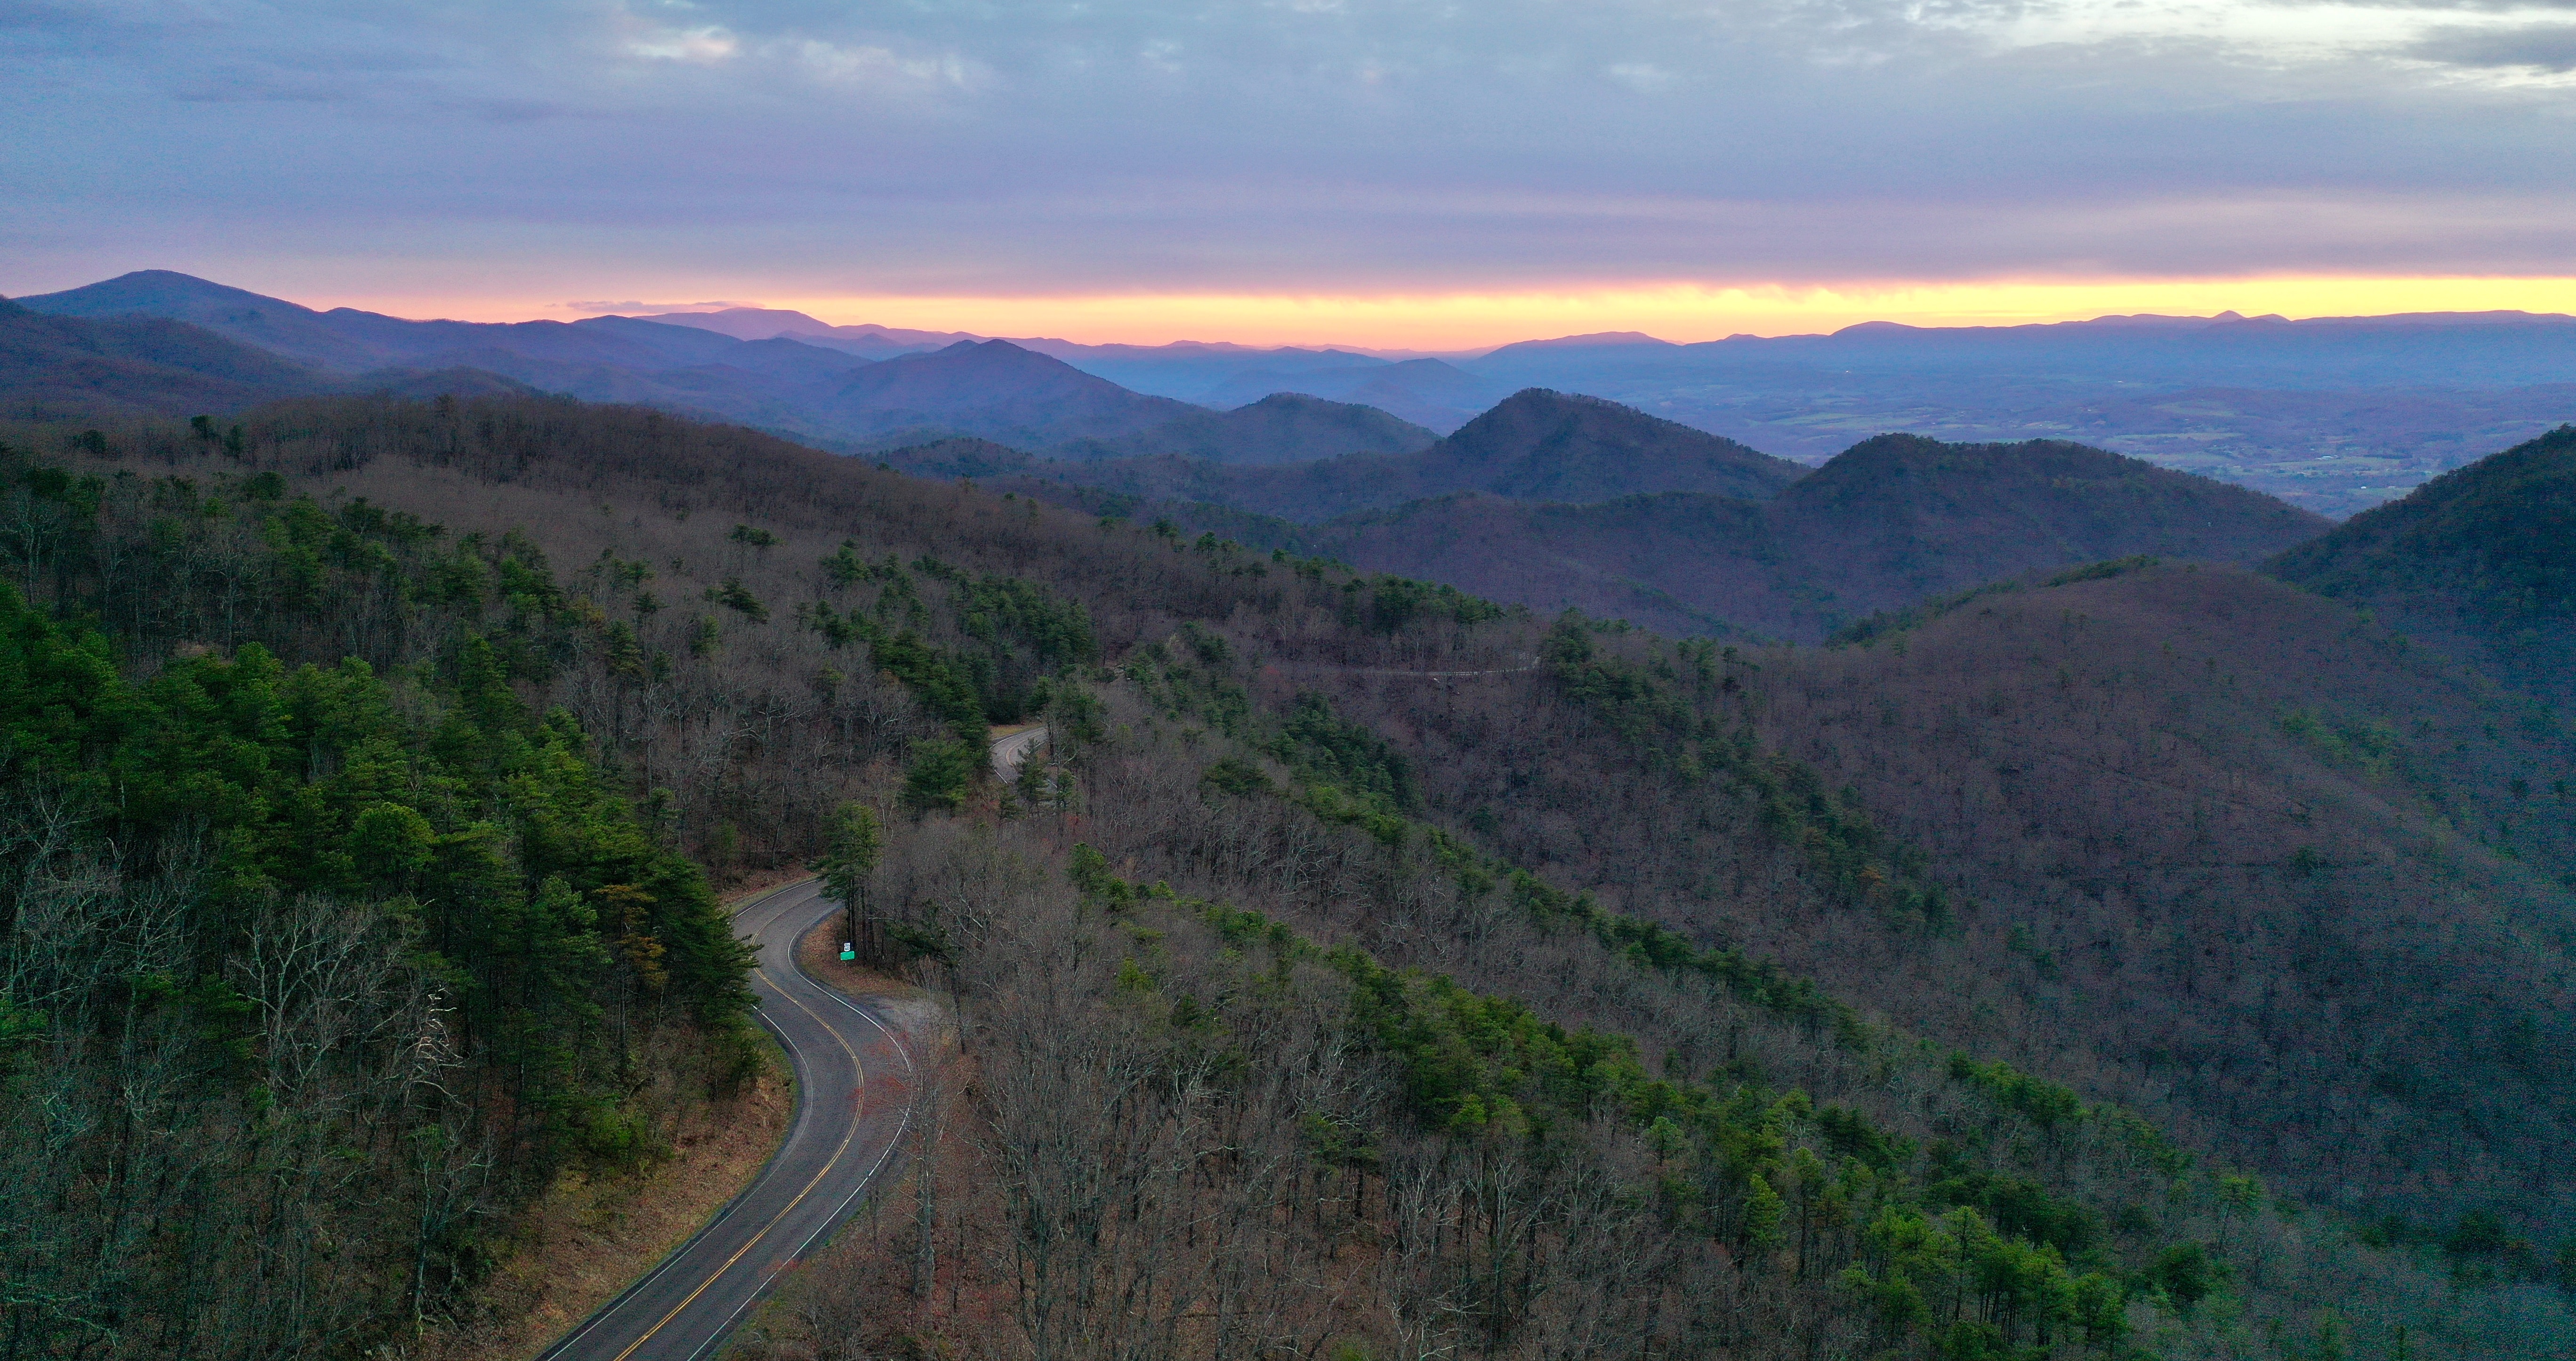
(1010, 752)
(854, 1103)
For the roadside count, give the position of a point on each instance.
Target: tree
(938, 775)
(1032, 783)
(2237, 1196)
(850, 850)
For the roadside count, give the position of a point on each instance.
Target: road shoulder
(911, 1009)
(591, 1234)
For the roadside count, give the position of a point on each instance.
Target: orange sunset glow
(1680, 312)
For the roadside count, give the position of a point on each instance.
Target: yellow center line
(784, 1211)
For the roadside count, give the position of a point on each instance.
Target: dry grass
(588, 1236)
(818, 953)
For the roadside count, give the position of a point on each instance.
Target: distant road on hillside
(1013, 749)
(855, 1089)
(1528, 663)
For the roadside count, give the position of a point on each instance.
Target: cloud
(882, 68)
(2436, 8)
(706, 44)
(1641, 76)
(2538, 47)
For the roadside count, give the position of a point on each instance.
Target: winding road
(1012, 749)
(855, 1088)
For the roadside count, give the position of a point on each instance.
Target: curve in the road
(855, 1090)
(1013, 750)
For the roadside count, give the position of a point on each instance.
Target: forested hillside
(324, 947)
(1886, 523)
(2481, 561)
(1283, 427)
(54, 367)
(1534, 446)
(1595, 995)
(2286, 871)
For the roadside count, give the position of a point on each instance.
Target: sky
(1390, 172)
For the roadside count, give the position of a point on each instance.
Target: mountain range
(1547, 499)
(2334, 414)
(134, 364)
(853, 388)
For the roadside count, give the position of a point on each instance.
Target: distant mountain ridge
(2334, 414)
(133, 365)
(347, 340)
(1535, 445)
(1889, 522)
(996, 390)
(856, 387)
(1284, 427)
(770, 323)
(611, 359)
(56, 367)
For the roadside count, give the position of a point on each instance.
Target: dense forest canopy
(2481, 560)
(316, 963)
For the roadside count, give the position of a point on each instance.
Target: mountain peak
(746, 323)
(1543, 445)
(1595, 340)
(153, 292)
(997, 390)
(1986, 491)
(1281, 428)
